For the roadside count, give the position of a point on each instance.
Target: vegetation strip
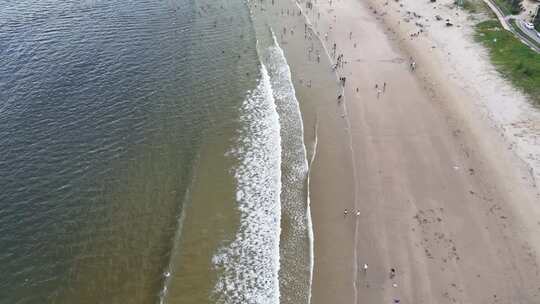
(516, 61)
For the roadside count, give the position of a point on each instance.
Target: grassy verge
(475, 6)
(514, 60)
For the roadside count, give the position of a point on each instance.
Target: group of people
(347, 212)
(342, 80)
(392, 275)
(393, 272)
(380, 90)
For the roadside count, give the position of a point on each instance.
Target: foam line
(249, 265)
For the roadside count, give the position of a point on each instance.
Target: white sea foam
(249, 265)
(298, 258)
(309, 219)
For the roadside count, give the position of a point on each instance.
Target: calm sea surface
(130, 167)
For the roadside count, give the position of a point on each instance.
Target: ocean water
(152, 152)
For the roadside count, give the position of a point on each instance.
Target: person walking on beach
(346, 211)
(379, 93)
(384, 87)
(412, 64)
(365, 268)
(392, 273)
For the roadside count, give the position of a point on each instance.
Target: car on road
(538, 34)
(529, 25)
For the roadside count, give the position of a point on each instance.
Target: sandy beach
(435, 183)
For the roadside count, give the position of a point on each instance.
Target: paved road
(505, 22)
(531, 33)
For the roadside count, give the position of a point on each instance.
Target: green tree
(515, 6)
(536, 20)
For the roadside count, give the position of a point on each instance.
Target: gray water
(117, 121)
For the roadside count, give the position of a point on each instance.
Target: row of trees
(515, 6)
(536, 20)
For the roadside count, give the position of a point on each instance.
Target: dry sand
(444, 192)
(442, 199)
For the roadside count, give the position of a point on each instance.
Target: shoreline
(316, 90)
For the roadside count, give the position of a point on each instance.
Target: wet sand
(442, 199)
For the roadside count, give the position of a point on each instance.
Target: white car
(529, 25)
